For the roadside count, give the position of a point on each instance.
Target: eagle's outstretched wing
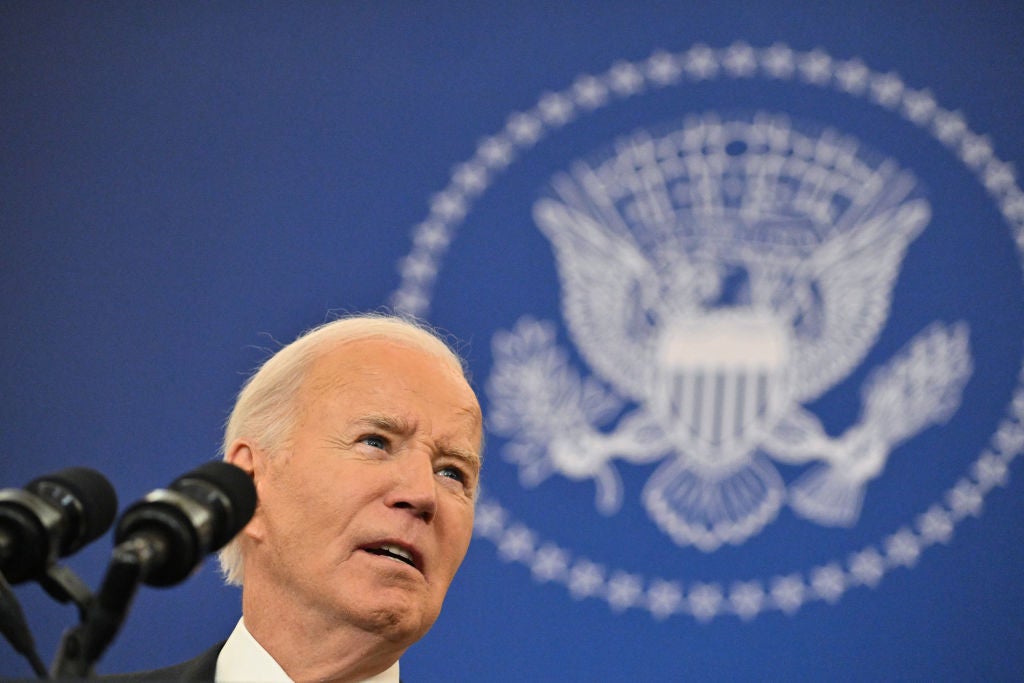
(609, 289)
(854, 275)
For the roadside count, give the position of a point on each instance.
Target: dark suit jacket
(202, 668)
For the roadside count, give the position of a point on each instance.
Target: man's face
(365, 517)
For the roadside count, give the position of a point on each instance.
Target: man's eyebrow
(387, 423)
(469, 457)
(399, 425)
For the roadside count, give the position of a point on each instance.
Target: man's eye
(453, 473)
(375, 441)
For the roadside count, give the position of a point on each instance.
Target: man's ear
(245, 455)
(240, 454)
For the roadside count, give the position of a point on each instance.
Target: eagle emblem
(718, 277)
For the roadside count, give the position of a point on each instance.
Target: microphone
(159, 541)
(54, 516)
(170, 530)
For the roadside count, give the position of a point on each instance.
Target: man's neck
(309, 649)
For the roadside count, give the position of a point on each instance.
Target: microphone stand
(82, 646)
(15, 628)
(60, 583)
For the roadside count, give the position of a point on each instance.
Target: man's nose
(415, 487)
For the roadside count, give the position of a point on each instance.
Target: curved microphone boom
(53, 516)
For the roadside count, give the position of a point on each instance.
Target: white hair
(266, 408)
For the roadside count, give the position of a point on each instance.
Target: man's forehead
(350, 354)
(370, 362)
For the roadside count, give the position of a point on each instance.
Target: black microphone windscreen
(235, 484)
(92, 500)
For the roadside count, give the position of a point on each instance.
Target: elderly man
(363, 438)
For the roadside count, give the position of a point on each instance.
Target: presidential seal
(721, 277)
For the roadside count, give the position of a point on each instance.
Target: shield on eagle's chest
(721, 382)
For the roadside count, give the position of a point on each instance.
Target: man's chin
(400, 624)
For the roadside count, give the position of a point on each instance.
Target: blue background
(183, 186)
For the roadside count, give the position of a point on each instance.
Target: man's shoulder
(201, 668)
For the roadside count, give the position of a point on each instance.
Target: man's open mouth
(394, 551)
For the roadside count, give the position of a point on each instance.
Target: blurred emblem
(720, 276)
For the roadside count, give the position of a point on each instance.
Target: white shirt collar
(243, 660)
